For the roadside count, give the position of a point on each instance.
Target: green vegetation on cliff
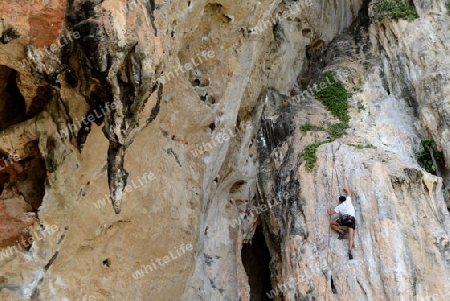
(425, 158)
(334, 96)
(394, 10)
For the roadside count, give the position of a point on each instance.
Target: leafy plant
(336, 130)
(394, 10)
(360, 106)
(425, 158)
(334, 96)
(309, 153)
(448, 7)
(427, 143)
(306, 127)
(311, 127)
(361, 146)
(310, 290)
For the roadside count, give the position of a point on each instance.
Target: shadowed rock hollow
(157, 150)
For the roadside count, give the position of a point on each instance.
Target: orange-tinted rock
(14, 223)
(43, 20)
(45, 26)
(10, 167)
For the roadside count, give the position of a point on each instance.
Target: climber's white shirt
(346, 207)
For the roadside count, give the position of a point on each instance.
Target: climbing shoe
(342, 235)
(350, 256)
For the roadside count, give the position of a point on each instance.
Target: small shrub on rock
(394, 10)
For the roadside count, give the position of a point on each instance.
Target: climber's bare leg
(335, 227)
(351, 237)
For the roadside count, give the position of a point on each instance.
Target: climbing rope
(330, 204)
(334, 167)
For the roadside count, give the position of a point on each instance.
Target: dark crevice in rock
(83, 133)
(35, 294)
(36, 291)
(406, 89)
(150, 9)
(25, 177)
(198, 81)
(333, 288)
(86, 21)
(50, 262)
(279, 35)
(362, 21)
(208, 259)
(256, 259)
(100, 106)
(31, 182)
(208, 98)
(279, 185)
(91, 38)
(155, 111)
(273, 133)
(170, 151)
(214, 10)
(129, 80)
(237, 186)
(306, 32)
(43, 96)
(12, 103)
(107, 262)
(8, 35)
(313, 64)
(61, 238)
(4, 179)
(71, 77)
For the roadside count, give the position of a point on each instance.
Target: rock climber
(347, 218)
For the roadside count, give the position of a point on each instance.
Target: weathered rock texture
(131, 130)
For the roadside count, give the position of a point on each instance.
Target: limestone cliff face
(152, 150)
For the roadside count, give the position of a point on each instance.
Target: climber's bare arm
(330, 211)
(349, 194)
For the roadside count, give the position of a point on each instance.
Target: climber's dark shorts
(347, 221)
